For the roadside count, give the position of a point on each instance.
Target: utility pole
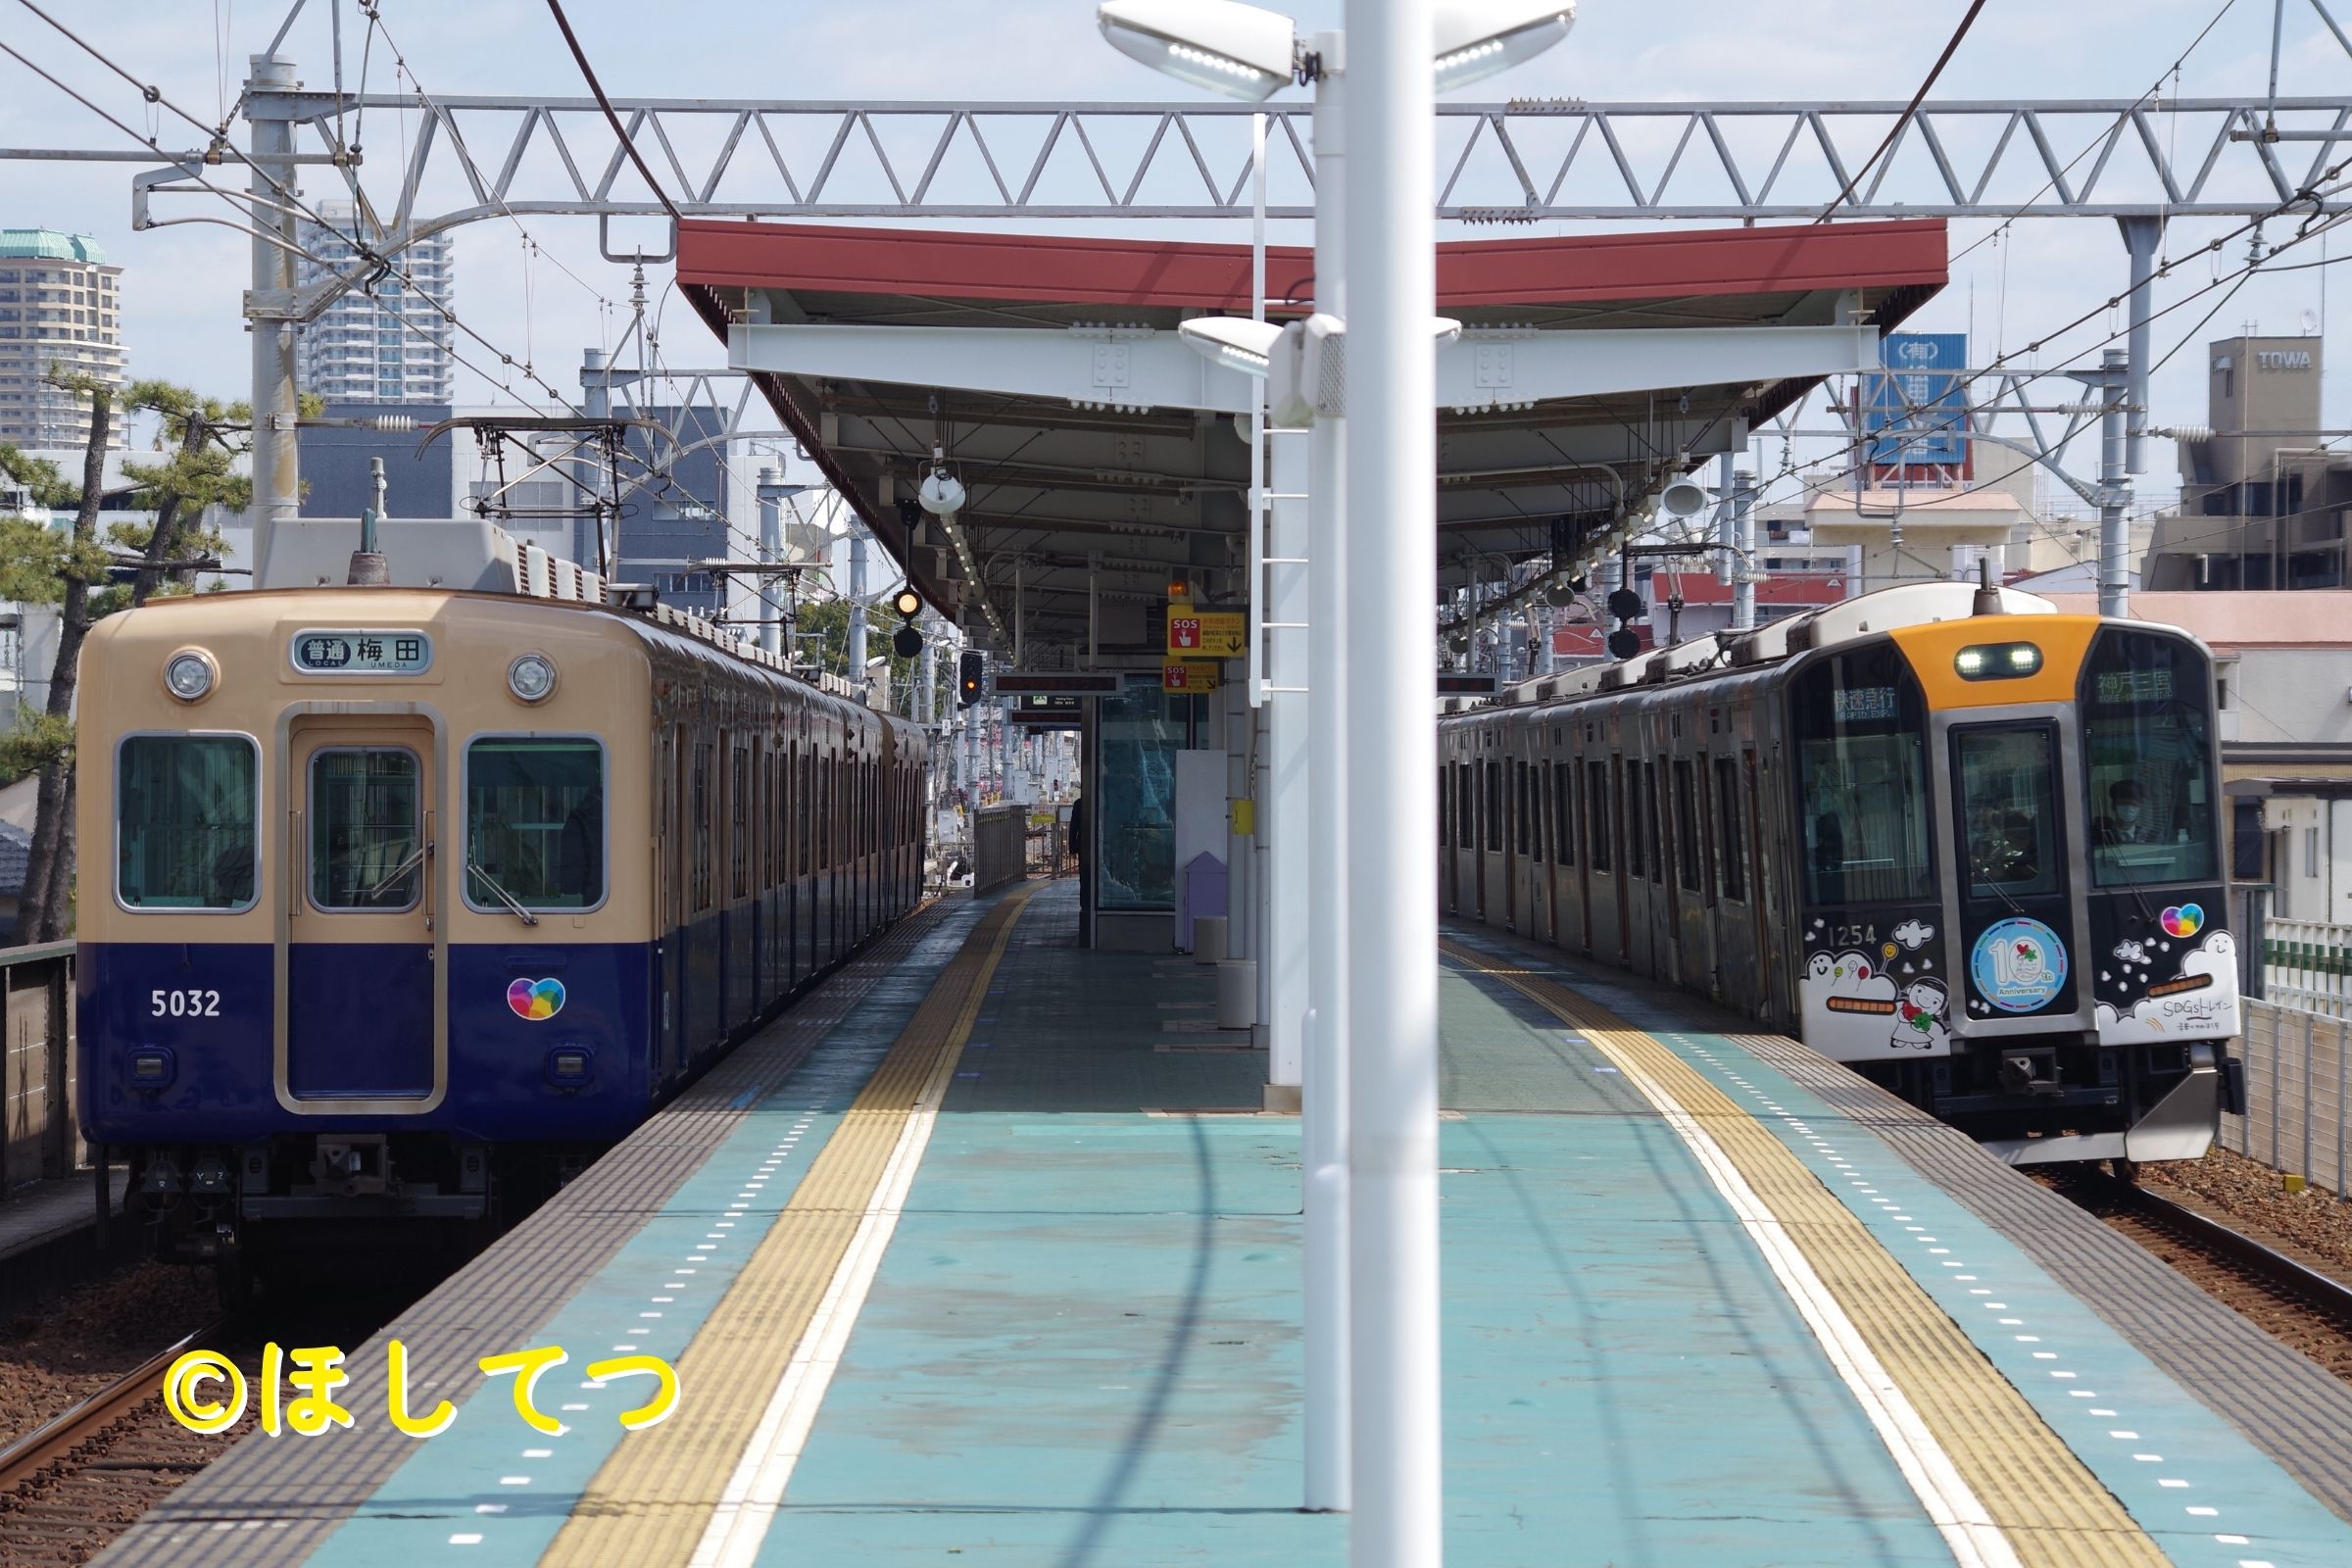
(771, 546)
(596, 399)
(2113, 379)
(1743, 542)
(269, 311)
(858, 606)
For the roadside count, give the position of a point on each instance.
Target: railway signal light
(968, 679)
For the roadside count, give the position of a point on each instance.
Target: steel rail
(2272, 1267)
(35, 1452)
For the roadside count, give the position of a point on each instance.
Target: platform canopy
(1134, 492)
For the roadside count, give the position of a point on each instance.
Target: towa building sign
(2283, 359)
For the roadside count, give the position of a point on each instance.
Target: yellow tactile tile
(653, 1499)
(2053, 1511)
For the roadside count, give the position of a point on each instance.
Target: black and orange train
(1958, 840)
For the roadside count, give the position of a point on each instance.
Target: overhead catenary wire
(587, 71)
(1902, 119)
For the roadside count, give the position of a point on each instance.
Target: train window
(699, 802)
(367, 828)
(739, 819)
(1493, 804)
(2006, 781)
(1653, 786)
(1687, 847)
(1465, 810)
(806, 797)
(2147, 754)
(1519, 806)
(535, 822)
(1860, 724)
(1444, 807)
(1730, 842)
(1596, 809)
(186, 821)
(1563, 813)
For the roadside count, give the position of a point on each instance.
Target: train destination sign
(387, 651)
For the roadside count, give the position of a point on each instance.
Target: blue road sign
(1918, 405)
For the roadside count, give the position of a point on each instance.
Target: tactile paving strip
(653, 1500)
(283, 1498)
(2288, 1406)
(2053, 1511)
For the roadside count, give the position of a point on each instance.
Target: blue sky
(183, 282)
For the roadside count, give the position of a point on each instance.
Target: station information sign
(1207, 634)
(1189, 675)
(374, 651)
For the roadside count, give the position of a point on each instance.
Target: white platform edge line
(754, 1489)
(1962, 1519)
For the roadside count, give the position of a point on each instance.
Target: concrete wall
(2289, 696)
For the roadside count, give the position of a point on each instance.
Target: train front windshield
(2148, 760)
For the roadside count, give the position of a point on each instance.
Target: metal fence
(1000, 846)
(42, 1128)
(2307, 964)
(2298, 1074)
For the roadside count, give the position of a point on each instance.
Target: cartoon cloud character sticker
(1918, 1017)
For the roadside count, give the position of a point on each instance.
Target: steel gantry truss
(1523, 161)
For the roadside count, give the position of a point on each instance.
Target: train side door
(362, 991)
(2014, 893)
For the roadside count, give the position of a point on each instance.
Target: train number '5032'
(184, 1004)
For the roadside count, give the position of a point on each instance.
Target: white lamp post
(1383, 1438)
(1393, 750)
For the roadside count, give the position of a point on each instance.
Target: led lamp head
(1478, 38)
(1233, 50)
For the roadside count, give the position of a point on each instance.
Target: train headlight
(531, 678)
(189, 675)
(1997, 660)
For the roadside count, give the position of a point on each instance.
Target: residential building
(2263, 501)
(381, 342)
(61, 309)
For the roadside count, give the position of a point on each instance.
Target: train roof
(474, 555)
(1850, 621)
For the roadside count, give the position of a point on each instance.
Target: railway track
(2297, 1303)
(70, 1486)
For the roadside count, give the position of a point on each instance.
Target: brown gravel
(2312, 1226)
(68, 1349)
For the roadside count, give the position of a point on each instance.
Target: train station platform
(985, 1254)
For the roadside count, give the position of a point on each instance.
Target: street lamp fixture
(1233, 50)
(1478, 38)
(1234, 341)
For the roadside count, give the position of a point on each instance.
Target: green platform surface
(1083, 1344)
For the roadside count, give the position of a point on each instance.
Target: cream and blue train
(404, 902)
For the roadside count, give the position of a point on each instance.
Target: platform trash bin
(1209, 936)
(1236, 993)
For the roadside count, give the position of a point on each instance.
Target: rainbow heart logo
(538, 999)
(2182, 919)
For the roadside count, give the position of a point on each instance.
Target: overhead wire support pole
(269, 308)
(1324, 1032)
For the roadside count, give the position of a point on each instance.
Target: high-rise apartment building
(61, 309)
(383, 344)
